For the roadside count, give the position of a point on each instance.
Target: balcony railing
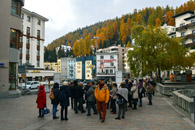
(191, 25)
(28, 45)
(190, 36)
(181, 28)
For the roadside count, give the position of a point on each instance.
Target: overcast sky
(68, 15)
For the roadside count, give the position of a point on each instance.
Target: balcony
(20, 56)
(20, 44)
(38, 47)
(191, 25)
(27, 57)
(190, 45)
(28, 45)
(38, 58)
(181, 28)
(190, 36)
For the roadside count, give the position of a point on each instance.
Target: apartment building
(71, 69)
(56, 66)
(64, 68)
(171, 30)
(32, 43)
(185, 27)
(11, 30)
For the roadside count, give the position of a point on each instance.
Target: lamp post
(96, 42)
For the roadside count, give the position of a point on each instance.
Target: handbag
(46, 110)
(120, 101)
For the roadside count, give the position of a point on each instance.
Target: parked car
(32, 85)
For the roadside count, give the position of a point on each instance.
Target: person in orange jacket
(102, 98)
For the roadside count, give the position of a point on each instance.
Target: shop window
(12, 76)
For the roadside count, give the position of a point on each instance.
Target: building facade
(64, 72)
(32, 43)
(71, 69)
(185, 27)
(56, 66)
(11, 31)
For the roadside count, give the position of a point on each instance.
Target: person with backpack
(41, 100)
(102, 98)
(63, 97)
(91, 99)
(55, 100)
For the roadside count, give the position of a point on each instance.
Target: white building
(65, 48)
(64, 72)
(71, 68)
(171, 30)
(32, 50)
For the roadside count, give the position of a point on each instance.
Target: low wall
(184, 99)
(167, 89)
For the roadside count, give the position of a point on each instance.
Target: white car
(32, 85)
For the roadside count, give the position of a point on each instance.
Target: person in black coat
(77, 93)
(55, 101)
(63, 96)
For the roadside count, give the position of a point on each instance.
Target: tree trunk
(159, 75)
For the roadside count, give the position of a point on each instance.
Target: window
(20, 62)
(12, 76)
(193, 40)
(37, 53)
(39, 22)
(28, 30)
(123, 50)
(21, 39)
(27, 61)
(111, 57)
(183, 34)
(16, 7)
(38, 33)
(28, 18)
(193, 21)
(27, 40)
(38, 42)
(27, 51)
(111, 64)
(111, 71)
(14, 38)
(193, 31)
(20, 50)
(183, 24)
(37, 63)
(88, 71)
(22, 16)
(101, 57)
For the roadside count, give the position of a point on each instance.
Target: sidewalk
(21, 113)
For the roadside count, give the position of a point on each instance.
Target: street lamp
(96, 41)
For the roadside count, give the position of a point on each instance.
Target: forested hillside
(118, 31)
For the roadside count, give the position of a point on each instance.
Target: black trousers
(72, 103)
(91, 105)
(80, 101)
(113, 105)
(62, 111)
(41, 112)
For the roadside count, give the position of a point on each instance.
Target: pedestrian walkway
(21, 114)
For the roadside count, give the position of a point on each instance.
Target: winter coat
(149, 88)
(113, 93)
(134, 91)
(41, 98)
(65, 102)
(90, 94)
(102, 94)
(55, 91)
(77, 92)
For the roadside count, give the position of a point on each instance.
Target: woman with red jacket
(41, 100)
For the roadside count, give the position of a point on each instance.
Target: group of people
(97, 96)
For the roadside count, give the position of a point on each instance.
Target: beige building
(11, 31)
(78, 69)
(185, 27)
(56, 66)
(88, 70)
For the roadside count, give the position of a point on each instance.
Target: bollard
(194, 109)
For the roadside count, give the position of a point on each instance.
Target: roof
(186, 12)
(34, 14)
(189, 18)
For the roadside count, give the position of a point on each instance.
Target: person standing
(149, 92)
(86, 88)
(91, 99)
(113, 97)
(41, 100)
(102, 98)
(77, 93)
(134, 91)
(72, 99)
(55, 101)
(122, 94)
(63, 97)
(130, 94)
(140, 90)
